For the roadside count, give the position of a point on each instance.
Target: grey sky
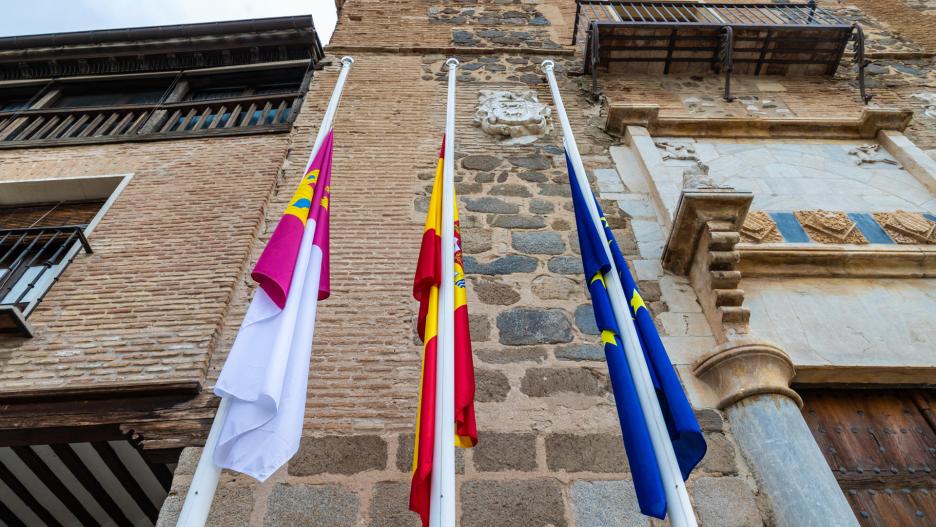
(27, 17)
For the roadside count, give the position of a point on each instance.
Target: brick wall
(147, 306)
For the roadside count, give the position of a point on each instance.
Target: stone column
(752, 380)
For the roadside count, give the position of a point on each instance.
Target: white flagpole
(201, 491)
(442, 506)
(678, 506)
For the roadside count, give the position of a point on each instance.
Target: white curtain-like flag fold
(265, 377)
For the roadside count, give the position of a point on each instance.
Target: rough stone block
(552, 287)
(497, 452)
(507, 354)
(530, 162)
(580, 352)
(339, 455)
(492, 205)
(300, 505)
(725, 502)
(188, 461)
(555, 189)
(491, 291)
(231, 507)
(389, 506)
(586, 453)
(585, 320)
(721, 456)
(538, 206)
(476, 241)
(518, 222)
(544, 382)
(480, 327)
(512, 263)
(491, 386)
(404, 455)
(606, 504)
(533, 177)
(540, 242)
(510, 189)
(565, 265)
(518, 503)
(524, 326)
(481, 162)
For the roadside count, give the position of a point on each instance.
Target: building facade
(780, 224)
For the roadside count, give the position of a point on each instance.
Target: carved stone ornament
(740, 369)
(516, 117)
(929, 103)
(758, 227)
(695, 176)
(870, 154)
(825, 226)
(677, 151)
(907, 227)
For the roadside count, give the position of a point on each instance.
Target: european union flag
(684, 432)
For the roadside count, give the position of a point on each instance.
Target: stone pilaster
(752, 382)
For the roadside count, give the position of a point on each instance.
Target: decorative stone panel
(907, 227)
(759, 227)
(830, 227)
(518, 118)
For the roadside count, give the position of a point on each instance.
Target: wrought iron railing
(132, 121)
(724, 35)
(32, 259)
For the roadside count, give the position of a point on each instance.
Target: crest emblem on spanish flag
(426, 290)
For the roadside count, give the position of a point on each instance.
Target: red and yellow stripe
(426, 291)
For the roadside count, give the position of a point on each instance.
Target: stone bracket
(701, 245)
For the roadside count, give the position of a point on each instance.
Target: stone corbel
(701, 245)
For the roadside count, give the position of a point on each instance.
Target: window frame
(76, 184)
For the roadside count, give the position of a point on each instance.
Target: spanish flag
(426, 291)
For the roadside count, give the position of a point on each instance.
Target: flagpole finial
(452, 63)
(347, 60)
(547, 65)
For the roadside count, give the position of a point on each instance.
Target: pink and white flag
(266, 373)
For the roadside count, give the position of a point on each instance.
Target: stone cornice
(865, 126)
(842, 261)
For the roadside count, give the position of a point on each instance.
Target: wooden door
(881, 446)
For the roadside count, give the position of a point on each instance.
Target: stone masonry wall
(550, 450)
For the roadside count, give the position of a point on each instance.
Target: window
(39, 240)
(267, 82)
(132, 108)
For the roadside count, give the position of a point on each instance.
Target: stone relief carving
(695, 176)
(516, 117)
(758, 227)
(929, 103)
(870, 154)
(825, 226)
(907, 227)
(677, 151)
